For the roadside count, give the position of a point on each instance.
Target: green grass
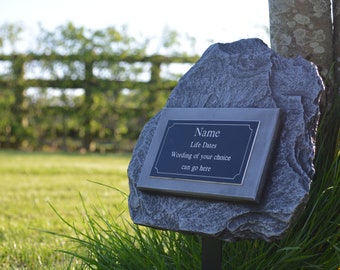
(30, 182)
(312, 243)
(50, 202)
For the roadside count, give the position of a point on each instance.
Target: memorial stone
(243, 74)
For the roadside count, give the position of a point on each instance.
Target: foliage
(83, 89)
(69, 39)
(312, 243)
(107, 242)
(10, 35)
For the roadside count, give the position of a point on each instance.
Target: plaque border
(204, 122)
(255, 172)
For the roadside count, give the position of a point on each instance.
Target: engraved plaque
(212, 153)
(215, 151)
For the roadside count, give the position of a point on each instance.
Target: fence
(89, 102)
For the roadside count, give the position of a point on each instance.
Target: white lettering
(209, 145)
(205, 169)
(195, 144)
(207, 157)
(201, 132)
(222, 157)
(185, 167)
(185, 155)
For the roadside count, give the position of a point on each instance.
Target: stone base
(243, 74)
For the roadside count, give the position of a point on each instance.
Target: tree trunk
(336, 40)
(305, 28)
(336, 50)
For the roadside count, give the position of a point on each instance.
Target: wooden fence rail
(17, 78)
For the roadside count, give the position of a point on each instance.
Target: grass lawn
(30, 182)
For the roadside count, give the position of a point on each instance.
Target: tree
(81, 87)
(10, 35)
(311, 29)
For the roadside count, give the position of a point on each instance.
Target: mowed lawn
(31, 182)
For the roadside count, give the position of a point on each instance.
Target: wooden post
(19, 107)
(86, 107)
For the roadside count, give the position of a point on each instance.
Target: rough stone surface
(243, 74)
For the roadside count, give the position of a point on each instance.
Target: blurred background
(80, 76)
(86, 76)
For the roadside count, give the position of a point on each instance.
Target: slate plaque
(215, 151)
(211, 152)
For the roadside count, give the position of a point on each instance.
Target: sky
(208, 21)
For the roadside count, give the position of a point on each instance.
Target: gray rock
(243, 74)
